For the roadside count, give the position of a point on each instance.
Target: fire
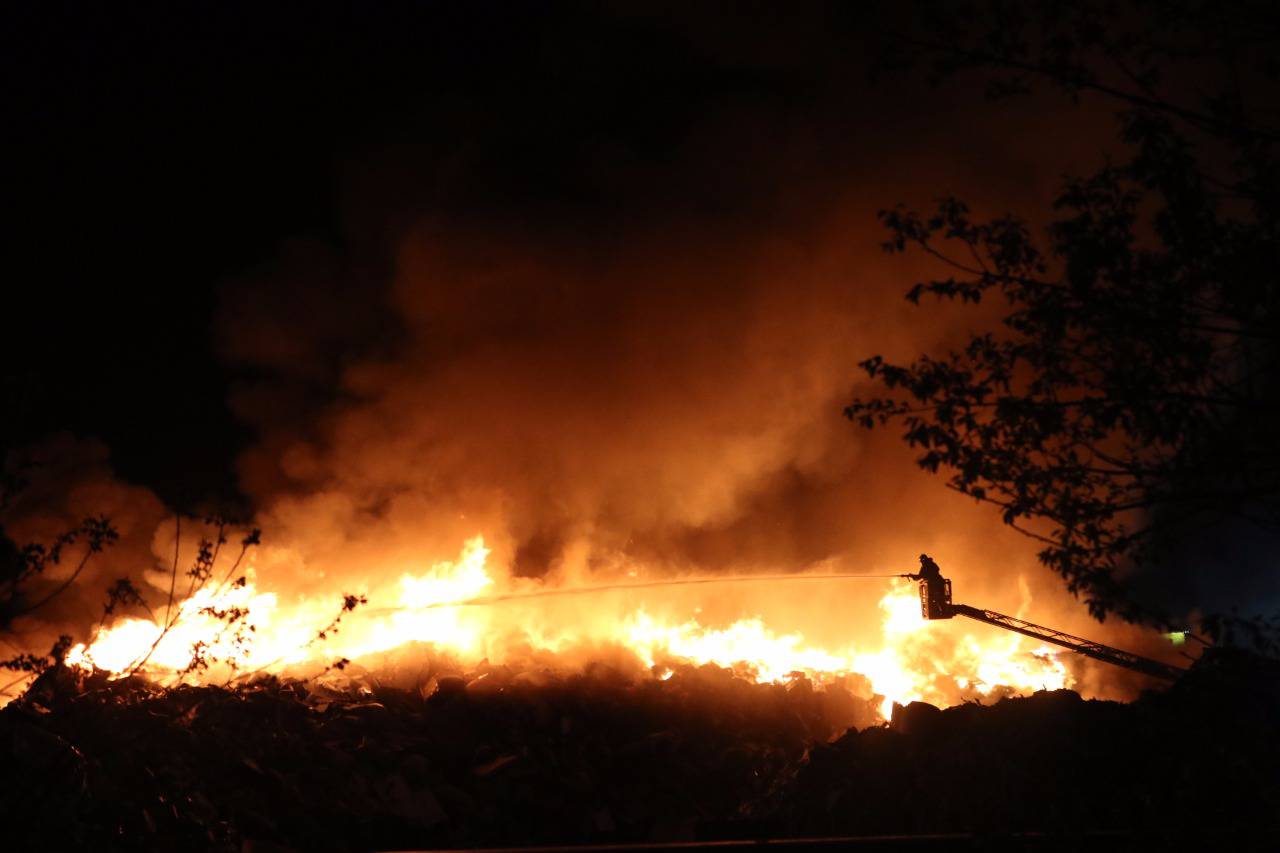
(747, 645)
(236, 630)
(144, 644)
(419, 617)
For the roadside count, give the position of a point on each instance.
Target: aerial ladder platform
(935, 603)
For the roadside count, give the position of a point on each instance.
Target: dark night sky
(159, 150)
(156, 150)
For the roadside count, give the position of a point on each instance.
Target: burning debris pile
(765, 629)
(489, 757)
(498, 757)
(463, 705)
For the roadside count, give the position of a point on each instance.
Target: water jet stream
(486, 600)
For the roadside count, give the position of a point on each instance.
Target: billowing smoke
(67, 481)
(617, 403)
(660, 390)
(668, 403)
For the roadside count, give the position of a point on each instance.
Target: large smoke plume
(661, 388)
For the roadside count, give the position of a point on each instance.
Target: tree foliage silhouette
(24, 587)
(1130, 396)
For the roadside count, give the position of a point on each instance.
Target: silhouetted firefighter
(935, 599)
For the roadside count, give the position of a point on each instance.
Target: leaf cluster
(1130, 395)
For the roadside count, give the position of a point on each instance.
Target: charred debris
(495, 757)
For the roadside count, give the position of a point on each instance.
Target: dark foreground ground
(508, 760)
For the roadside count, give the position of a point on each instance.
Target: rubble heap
(503, 758)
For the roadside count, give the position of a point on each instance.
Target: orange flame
(913, 659)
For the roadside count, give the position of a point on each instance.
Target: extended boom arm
(935, 603)
(1097, 651)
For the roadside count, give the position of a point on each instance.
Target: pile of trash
(1202, 757)
(492, 758)
(502, 758)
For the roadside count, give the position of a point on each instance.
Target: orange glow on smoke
(911, 659)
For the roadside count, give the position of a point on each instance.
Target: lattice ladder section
(1097, 651)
